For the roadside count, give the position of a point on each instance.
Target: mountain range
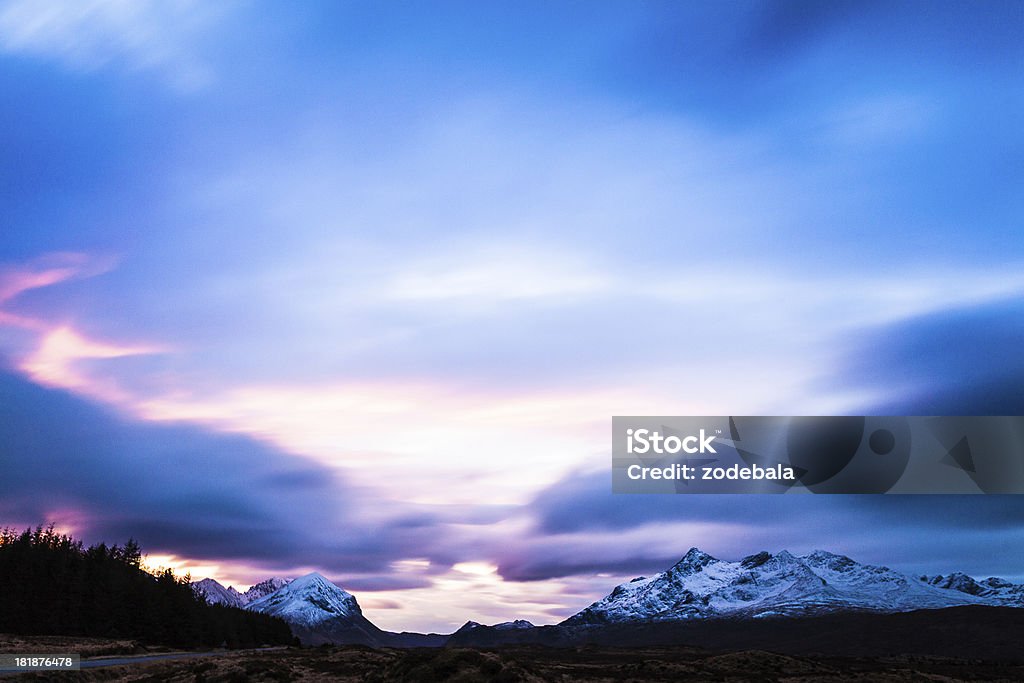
(317, 610)
(699, 588)
(216, 594)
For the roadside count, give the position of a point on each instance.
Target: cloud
(428, 442)
(236, 508)
(505, 242)
(58, 351)
(87, 35)
(182, 490)
(380, 604)
(581, 527)
(54, 362)
(408, 439)
(965, 360)
(476, 591)
(788, 26)
(384, 582)
(47, 270)
(961, 358)
(494, 275)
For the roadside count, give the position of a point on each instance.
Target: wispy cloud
(47, 270)
(584, 530)
(85, 35)
(495, 274)
(55, 363)
(53, 353)
(880, 120)
(189, 491)
(428, 443)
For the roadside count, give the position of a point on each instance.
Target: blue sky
(357, 287)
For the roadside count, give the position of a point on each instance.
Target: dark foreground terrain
(356, 663)
(958, 644)
(969, 632)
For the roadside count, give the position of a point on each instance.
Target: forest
(50, 584)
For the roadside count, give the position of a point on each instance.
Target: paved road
(138, 659)
(119, 661)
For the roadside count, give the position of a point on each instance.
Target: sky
(356, 287)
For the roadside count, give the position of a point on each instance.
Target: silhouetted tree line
(51, 585)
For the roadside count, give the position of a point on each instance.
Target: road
(138, 659)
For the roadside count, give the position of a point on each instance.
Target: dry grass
(531, 665)
(86, 647)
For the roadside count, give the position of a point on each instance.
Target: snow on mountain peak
(992, 589)
(312, 580)
(760, 585)
(824, 555)
(308, 600)
(214, 593)
(263, 588)
(695, 560)
(511, 625)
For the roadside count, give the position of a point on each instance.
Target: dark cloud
(883, 32)
(554, 564)
(185, 490)
(585, 502)
(932, 534)
(749, 63)
(783, 28)
(967, 361)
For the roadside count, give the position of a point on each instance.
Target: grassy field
(86, 647)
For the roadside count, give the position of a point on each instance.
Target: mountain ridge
(697, 588)
(318, 611)
(215, 593)
(761, 585)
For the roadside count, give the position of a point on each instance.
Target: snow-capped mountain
(319, 611)
(308, 600)
(700, 586)
(264, 588)
(216, 594)
(993, 590)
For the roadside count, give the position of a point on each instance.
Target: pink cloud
(59, 348)
(48, 270)
(55, 362)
